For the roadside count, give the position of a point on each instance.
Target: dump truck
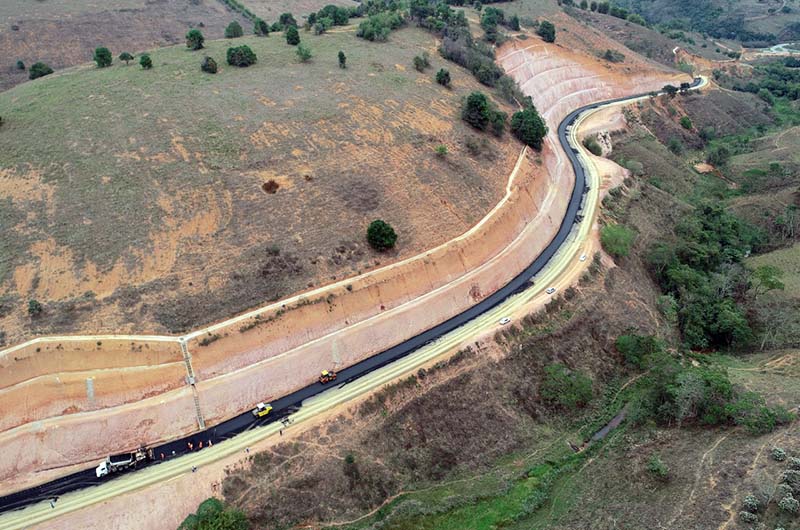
(262, 409)
(327, 376)
(115, 463)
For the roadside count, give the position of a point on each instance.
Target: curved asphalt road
(290, 403)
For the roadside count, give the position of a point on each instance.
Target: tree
(303, 52)
(102, 56)
(145, 61)
(617, 239)
(766, 278)
(686, 123)
(20, 65)
(419, 63)
(39, 70)
(513, 23)
(195, 39)
(261, 28)
(476, 110)
(287, 19)
(547, 31)
(292, 36)
(719, 156)
(529, 127)
(443, 77)
(670, 90)
(212, 514)
(342, 59)
(209, 65)
(34, 308)
(380, 235)
(564, 388)
(241, 56)
(234, 30)
(125, 57)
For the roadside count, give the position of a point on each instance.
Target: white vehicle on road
(504, 321)
(583, 257)
(550, 290)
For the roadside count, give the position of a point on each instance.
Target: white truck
(115, 463)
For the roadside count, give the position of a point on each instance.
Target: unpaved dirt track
(558, 257)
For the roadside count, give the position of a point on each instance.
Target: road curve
(292, 402)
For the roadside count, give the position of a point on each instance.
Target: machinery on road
(115, 463)
(262, 409)
(327, 376)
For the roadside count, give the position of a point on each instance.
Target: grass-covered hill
(127, 190)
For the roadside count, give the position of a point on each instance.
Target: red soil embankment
(251, 360)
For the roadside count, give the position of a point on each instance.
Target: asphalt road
(302, 403)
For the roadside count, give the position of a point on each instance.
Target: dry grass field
(128, 191)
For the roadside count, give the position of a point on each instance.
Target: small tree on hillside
(39, 70)
(287, 19)
(547, 31)
(125, 57)
(513, 23)
(146, 61)
(261, 28)
(195, 39)
(670, 90)
(529, 127)
(419, 63)
(20, 65)
(292, 36)
(476, 110)
(380, 235)
(34, 308)
(209, 65)
(342, 60)
(241, 56)
(443, 77)
(102, 56)
(303, 52)
(234, 30)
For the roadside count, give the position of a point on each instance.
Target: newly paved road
(558, 260)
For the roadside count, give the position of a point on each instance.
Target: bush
(637, 348)
(377, 27)
(547, 31)
(303, 52)
(145, 61)
(212, 514)
(675, 145)
(719, 156)
(789, 504)
(39, 70)
(564, 388)
(613, 56)
(617, 240)
(34, 308)
(234, 30)
(497, 119)
(750, 504)
(195, 39)
(441, 151)
(778, 454)
(419, 63)
(747, 517)
(686, 123)
(241, 56)
(292, 36)
(342, 60)
(102, 56)
(125, 57)
(380, 235)
(209, 65)
(443, 77)
(260, 28)
(476, 110)
(794, 463)
(657, 468)
(20, 65)
(590, 143)
(529, 127)
(286, 20)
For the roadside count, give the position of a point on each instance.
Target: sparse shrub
(778, 454)
(686, 123)
(234, 30)
(34, 308)
(209, 65)
(657, 468)
(750, 504)
(241, 56)
(617, 239)
(303, 52)
(125, 57)
(789, 504)
(547, 31)
(529, 127)
(747, 517)
(292, 36)
(39, 70)
(102, 56)
(342, 60)
(564, 388)
(145, 61)
(380, 235)
(441, 151)
(194, 39)
(20, 65)
(443, 77)
(260, 27)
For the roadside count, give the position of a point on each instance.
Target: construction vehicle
(262, 409)
(327, 376)
(115, 463)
